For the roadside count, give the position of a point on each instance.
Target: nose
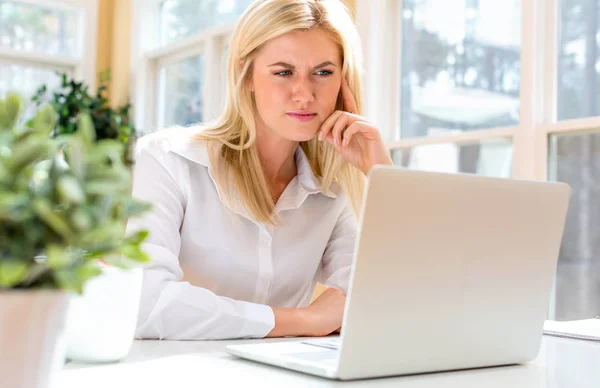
(303, 91)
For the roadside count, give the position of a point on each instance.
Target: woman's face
(296, 80)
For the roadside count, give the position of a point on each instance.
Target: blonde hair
(231, 137)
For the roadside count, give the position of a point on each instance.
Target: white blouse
(214, 271)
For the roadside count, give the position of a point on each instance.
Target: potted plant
(64, 202)
(73, 97)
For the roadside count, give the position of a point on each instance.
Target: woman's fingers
(355, 127)
(350, 111)
(342, 123)
(348, 98)
(328, 124)
(335, 124)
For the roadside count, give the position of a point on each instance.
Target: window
(41, 37)
(180, 69)
(180, 18)
(460, 65)
(497, 88)
(181, 92)
(575, 159)
(578, 54)
(490, 158)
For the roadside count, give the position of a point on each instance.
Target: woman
(252, 211)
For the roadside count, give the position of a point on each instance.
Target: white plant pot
(32, 347)
(101, 322)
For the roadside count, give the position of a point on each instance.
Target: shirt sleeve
(169, 308)
(338, 255)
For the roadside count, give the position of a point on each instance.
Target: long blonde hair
(231, 137)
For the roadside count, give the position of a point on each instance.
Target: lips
(302, 116)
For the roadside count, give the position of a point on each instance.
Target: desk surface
(561, 363)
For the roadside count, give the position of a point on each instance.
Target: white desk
(562, 363)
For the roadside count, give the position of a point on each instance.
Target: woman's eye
(322, 73)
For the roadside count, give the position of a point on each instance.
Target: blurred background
(498, 88)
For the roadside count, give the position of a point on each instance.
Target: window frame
(380, 31)
(149, 56)
(81, 66)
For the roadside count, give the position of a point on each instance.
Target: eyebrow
(292, 67)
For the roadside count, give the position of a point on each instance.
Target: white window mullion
(68, 5)
(550, 61)
(548, 67)
(459, 138)
(146, 91)
(191, 42)
(160, 97)
(143, 69)
(376, 26)
(212, 82)
(88, 25)
(26, 58)
(526, 141)
(573, 126)
(178, 56)
(395, 72)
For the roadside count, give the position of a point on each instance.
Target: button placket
(265, 254)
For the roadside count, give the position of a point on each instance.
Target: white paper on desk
(587, 329)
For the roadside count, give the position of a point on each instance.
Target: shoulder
(170, 144)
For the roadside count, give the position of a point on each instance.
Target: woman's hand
(353, 136)
(322, 317)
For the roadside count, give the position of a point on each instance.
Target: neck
(277, 158)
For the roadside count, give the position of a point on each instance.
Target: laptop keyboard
(329, 357)
(327, 343)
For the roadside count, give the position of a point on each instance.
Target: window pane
(33, 28)
(180, 18)
(460, 65)
(578, 64)
(575, 159)
(492, 158)
(26, 80)
(181, 94)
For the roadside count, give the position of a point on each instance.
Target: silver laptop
(451, 271)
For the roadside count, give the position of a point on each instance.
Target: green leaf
(81, 219)
(106, 187)
(119, 261)
(110, 231)
(4, 173)
(130, 207)
(137, 238)
(43, 209)
(28, 152)
(74, 280)
(45, 120)
(58, 257)
(105, 172)
(85, 129)
(13, 104)
(75, 155)
(69, 190)
(135, 253)
(12, 272)
(12, 204)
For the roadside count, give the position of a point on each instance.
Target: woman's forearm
(288, 322)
